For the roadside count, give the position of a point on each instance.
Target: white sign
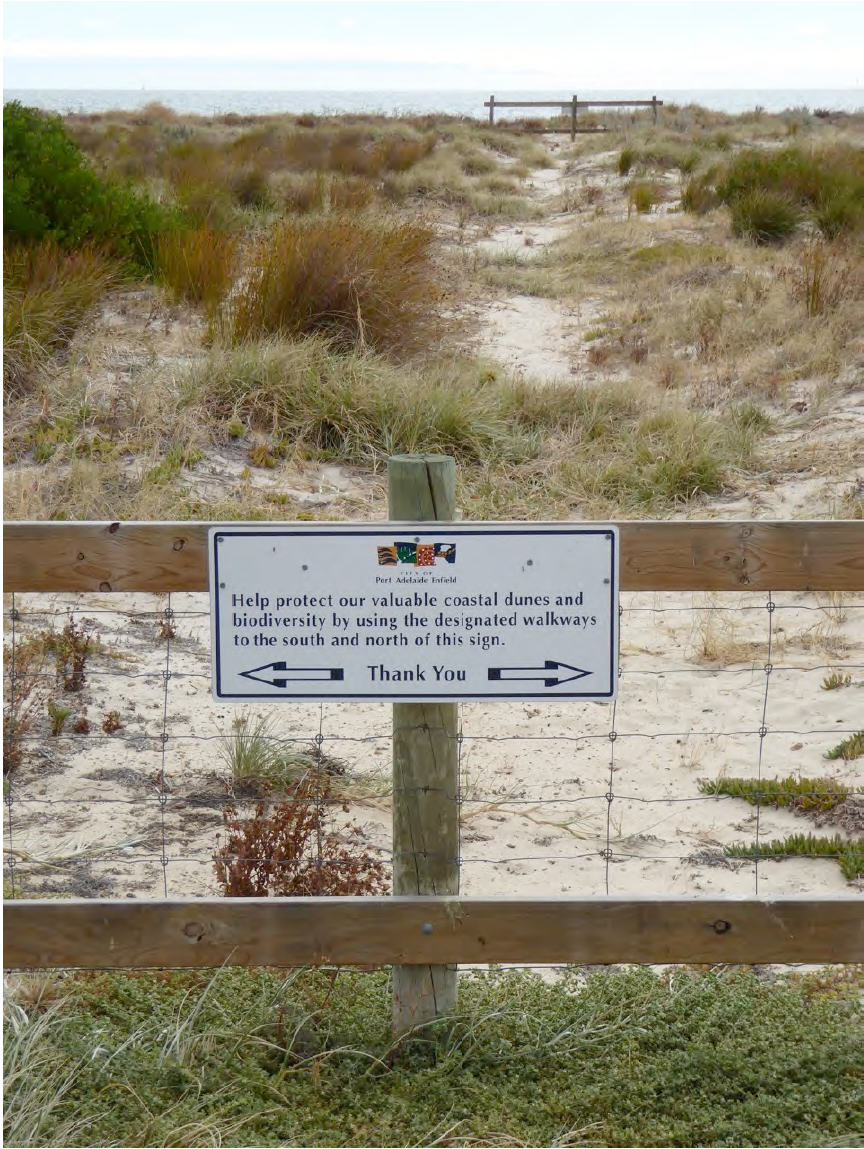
(418, 611)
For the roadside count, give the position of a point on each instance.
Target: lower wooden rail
(125, 934)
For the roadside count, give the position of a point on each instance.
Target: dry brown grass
(717, 637)
(48, 293)
(367, 282)
(709, 313)
(198, 266)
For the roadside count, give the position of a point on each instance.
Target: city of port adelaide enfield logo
(423, 612)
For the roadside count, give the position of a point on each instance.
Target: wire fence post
(425, 767)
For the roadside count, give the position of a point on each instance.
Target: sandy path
(529, 335)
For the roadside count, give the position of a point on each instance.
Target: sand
(534, 775)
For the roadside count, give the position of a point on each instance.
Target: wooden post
(654, 107)
(425, 768)
(491, 109)
(573, 120)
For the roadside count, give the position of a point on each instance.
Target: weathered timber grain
(423, 931)
(656, 556)
(425, 766)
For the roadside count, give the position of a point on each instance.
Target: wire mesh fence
(124, 777)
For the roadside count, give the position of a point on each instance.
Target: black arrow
(281, 674)
(533, 673)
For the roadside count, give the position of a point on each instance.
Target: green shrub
(827, 185)
(787, 172)
(808, 178)
(769, 192)
(764, 216)
(49, 192)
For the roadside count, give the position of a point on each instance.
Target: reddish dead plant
(288, 850)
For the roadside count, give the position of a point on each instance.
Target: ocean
(456, 103)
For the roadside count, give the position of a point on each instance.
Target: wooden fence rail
(572, 105)
(655, 556)
(371, 931)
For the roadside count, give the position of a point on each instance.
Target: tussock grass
(660, 152)
(720, 317)
(836, 680)
(356, 407)
(306, 193)
(764, 216)
(214, 174)
(265, 1057)
(826, 276)
(197, 266)
(642, 195)
(697, 323)
(47, 294)
(717, 639)
(524, 450)
(361, 281)
(612, 449)
(258, 761)
(39, 1080)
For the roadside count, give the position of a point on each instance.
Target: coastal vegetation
(250, 297)
(270, 1057)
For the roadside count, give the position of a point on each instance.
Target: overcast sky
(437, 44)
